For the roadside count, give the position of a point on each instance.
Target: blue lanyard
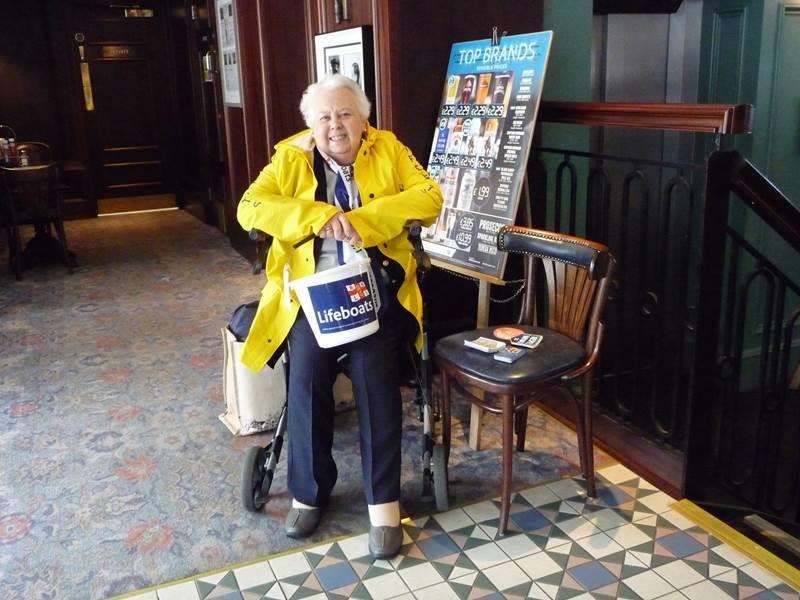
(342, 197)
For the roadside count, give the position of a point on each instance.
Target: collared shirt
(328, 256)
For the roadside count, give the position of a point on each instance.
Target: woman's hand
(340, 228)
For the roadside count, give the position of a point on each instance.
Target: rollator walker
(258, 469)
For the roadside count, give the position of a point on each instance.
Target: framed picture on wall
(350, 53)
(228, 53)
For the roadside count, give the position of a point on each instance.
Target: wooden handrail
(709, 118)
(766, 200)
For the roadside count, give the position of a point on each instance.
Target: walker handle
(415, 237)
(262, 241)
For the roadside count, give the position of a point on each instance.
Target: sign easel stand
(484, 303)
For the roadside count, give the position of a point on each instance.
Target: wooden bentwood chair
(578, 273)
(33, 196)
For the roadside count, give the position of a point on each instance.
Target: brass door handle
(86, 79)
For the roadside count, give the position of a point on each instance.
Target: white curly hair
(328, 84)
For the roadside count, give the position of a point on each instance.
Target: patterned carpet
(115, 473)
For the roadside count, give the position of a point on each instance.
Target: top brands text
(494, 54)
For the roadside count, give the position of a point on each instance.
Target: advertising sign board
(480, 147)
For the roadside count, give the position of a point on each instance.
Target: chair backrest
(39, 153)
(577, 273)
(31, 193)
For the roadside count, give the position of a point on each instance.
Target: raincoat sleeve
(271, 203)
(419, 199)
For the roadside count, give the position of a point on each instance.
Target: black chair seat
(555, 354)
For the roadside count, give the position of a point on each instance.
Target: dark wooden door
(121, 59)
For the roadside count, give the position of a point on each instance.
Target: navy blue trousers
(374, 369)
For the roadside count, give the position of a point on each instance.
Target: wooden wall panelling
(174, 147)
(386, 37)
(250, 37)
(218, 133)
(312, 26)
(189, 181)
(28, 93)
(238, 179)
(270, 37)
(80, 201)
(198, 169)
(265, 53)
(244, 125)
(286, 69)
(227, 128)
(359, 12)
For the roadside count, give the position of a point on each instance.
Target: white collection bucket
(341, 304)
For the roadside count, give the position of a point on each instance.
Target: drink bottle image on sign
(467, 135)
(468, 91)
(482, 96)
(441, 136)
(501, 94)
(452, 89)
(454, 143)
(449, 185)
(466, 191)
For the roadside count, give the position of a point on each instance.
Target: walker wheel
(254, 491)
(441, 486)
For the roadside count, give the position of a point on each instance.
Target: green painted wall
(750, 55)
(568, 78)
(776, 138)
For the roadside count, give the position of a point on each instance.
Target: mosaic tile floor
(627, 543)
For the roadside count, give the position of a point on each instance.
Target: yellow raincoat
(394, 190)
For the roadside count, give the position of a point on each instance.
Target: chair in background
(577, 273)
(33, 196)
(39, 153)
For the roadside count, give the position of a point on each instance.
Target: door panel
(129, 142)
(784, 147)
(726, 60)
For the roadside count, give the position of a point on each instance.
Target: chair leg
(16, 251)
(508, 459)
(446, 416)
(580, 423)
(10, 242)
(588, 432)
(520, 427)
(62, 238)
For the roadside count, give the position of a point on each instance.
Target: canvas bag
(254, 401)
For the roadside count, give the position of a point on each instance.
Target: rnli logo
(357, 291)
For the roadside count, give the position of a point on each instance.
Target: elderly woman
(351, 186)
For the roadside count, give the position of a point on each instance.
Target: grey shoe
(385, 541)
(302, 522)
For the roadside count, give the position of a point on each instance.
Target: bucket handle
(373, 284)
